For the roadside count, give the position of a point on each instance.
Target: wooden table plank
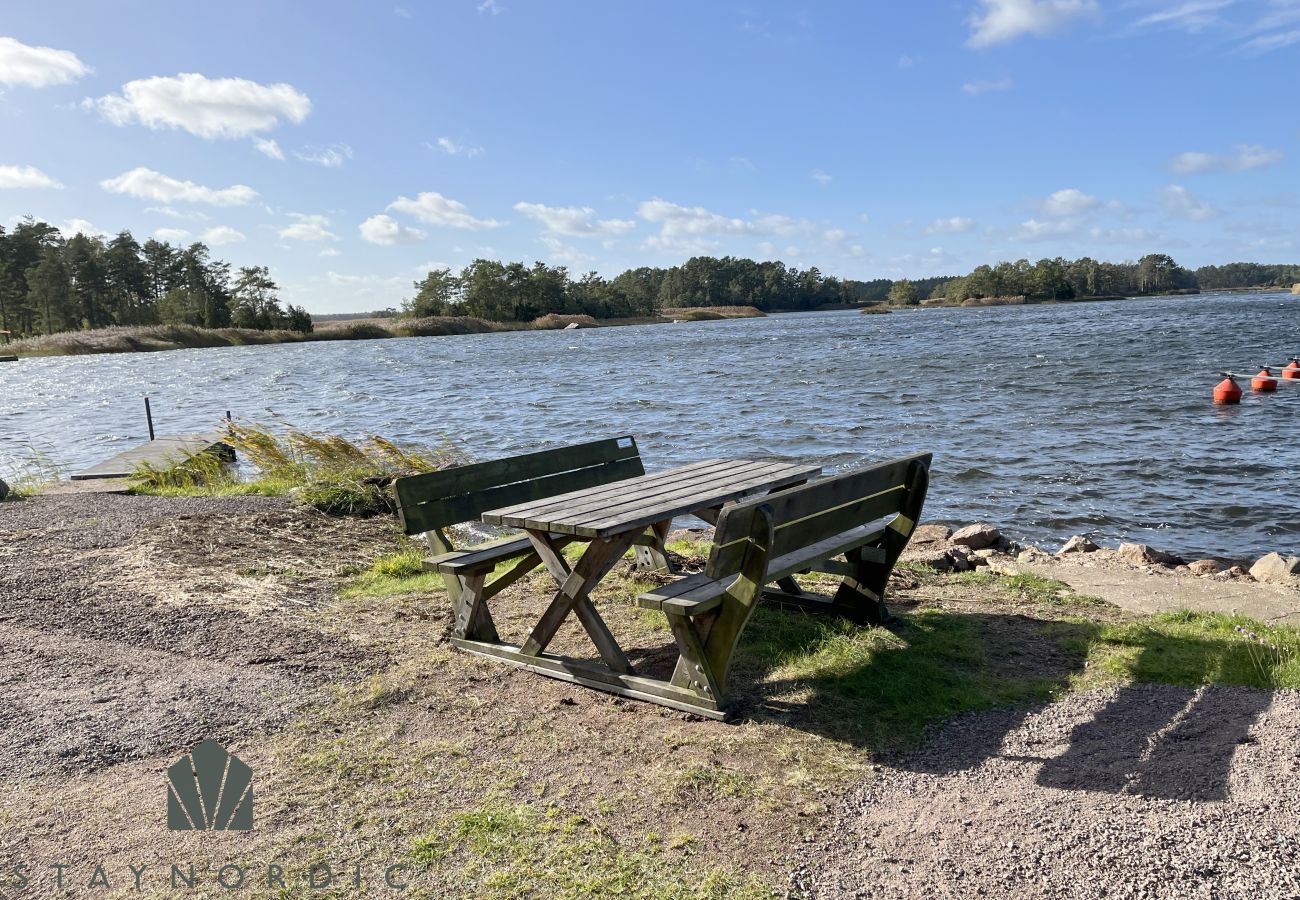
(742, 477)
(685, 506)
(545, 506)
(638, 505)
(636, 491)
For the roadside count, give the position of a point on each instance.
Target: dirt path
(1146, 791)
(1154, 590)
(133, 626)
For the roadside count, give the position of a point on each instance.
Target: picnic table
(610, 519)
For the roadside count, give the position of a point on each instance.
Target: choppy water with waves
(1049, 420)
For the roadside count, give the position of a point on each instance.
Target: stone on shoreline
(1205, 567)
(1078, 544)
(961, 560)
(4, 489)
(977, 536)
(931, 534)
(1275, 568)
(1142, 555)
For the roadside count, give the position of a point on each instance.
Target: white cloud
(308, 228)
(1193, 16)
(1181, 203)
(577, 221)
(173, 213)
(74, 227)
(820, 177)
(222, 235)
(1242, 158)
(28, 177)
(491, 6)
(1276, 41)
(953, 225)
(37, 66)
(566, 254)
(684, 229)
(329, 251)
(268, 147)
(210, 108)
(990, 86)
(906, 62)
(1038, 230)
(330, 157)
(1003, 21)
(172, 235)
(1069, 202)
(1127, 236)
(433, 208)
(151, 185)
(455, 148)
(387, 231)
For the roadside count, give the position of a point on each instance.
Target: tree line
(1065, 279)
(49, 283)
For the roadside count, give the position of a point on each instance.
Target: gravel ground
(1148, 791)
(131, 626)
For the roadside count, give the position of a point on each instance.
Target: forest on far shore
(50, 283)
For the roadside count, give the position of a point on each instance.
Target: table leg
(575, 586)
(651, 556)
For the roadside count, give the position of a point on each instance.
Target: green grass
(394, 574)
(1030, 588)
(507, 850)
(1194, 648)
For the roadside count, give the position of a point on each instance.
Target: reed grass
(328, 471)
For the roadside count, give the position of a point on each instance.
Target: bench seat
(698, 594)
(486, 557)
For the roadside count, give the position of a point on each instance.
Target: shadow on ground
(883, 689)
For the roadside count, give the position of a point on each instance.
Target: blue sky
(351, 146)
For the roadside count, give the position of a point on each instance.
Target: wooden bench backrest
(464, 493)
(809, 513)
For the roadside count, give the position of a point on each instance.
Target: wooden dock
(160, 452)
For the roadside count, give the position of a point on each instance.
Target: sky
(351, 146)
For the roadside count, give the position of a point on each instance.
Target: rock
(931, 534)
(1205, 567)
(1032, 555)
(4, 489)
(1237, 572)
(1142, 555)
(1275, 568)
(939, 560)
(986, 553)
(977, 536)
(979, 561)
(1078, 544)
(961, 561)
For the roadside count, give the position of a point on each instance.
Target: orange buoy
(1227, 391)
(1292, 369)
(1264, 381)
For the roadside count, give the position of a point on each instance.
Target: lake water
(1048, 420)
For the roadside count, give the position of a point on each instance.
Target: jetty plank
(163, 451)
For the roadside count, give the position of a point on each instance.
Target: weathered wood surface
(4, 358)
(160, 452)
(637, 503)
(770, 539)
(463, 493)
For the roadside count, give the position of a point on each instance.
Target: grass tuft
(516, 850)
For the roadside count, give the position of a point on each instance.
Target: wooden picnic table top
(635, 503)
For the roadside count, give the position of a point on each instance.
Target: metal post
(148, 415)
